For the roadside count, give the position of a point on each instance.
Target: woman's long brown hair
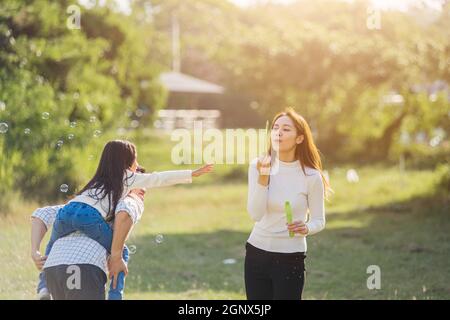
(306, 152)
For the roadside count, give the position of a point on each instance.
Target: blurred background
(372, 78)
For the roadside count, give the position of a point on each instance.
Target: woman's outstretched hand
(203, 170)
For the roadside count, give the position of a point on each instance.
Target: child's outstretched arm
(164, 178)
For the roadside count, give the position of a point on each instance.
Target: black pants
(63, 286)
(273, 275)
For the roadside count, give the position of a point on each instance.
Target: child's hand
(205, 169)
(140, 193)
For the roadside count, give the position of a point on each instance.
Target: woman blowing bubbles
(274, 262)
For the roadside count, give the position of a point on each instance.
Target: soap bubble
(76, 96)
(45, 115)
(435, 141)
(158, 124)
(2, 106)
(134, 124)
(89, 107)
(70, 136)
(132, 249)
(91, 157)
(3, 127)
(27, 131)
(352, 176)
(73, 124)
(97, 133)
(139, 113)
(159, 239)
(92, 119)
(121, 131)
(64, 188)
(59, 143)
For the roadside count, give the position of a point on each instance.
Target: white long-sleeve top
(135, 181)
(266, 206)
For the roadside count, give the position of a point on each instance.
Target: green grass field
(387, 219)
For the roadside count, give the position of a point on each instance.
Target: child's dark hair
(140, 169)
(117, 157)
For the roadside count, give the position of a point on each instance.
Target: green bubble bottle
(288, 210)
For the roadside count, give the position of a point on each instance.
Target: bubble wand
(273, 153)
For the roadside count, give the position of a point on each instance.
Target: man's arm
(122, 227)
(38, 230)
(128, 213)
(41, 220)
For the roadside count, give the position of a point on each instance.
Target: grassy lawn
(386, 219)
